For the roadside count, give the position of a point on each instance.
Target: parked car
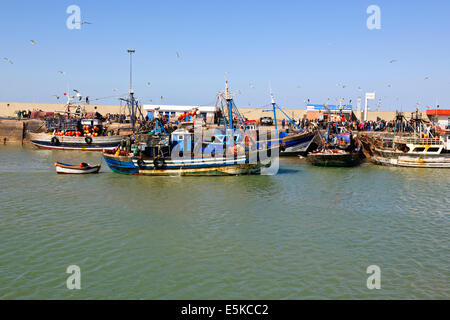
(266, 121)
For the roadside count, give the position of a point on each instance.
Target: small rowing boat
(82, 168)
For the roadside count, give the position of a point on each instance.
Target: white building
(440, 116)
(173, 112)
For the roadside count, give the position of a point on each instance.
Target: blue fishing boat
(233, 149)
(295, 142)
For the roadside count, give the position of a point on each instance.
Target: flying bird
(78, 94)
(426, 78)
(148, 84)
(8, 60)
(178, 54)
(298, 87)
(251, 85)
(115, 89)
(161, 98)
(389, 86)
(33, 42)
(393, 60)
(56, 96)
(62, 72)
(83, 22)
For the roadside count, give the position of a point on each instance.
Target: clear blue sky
(311, 44)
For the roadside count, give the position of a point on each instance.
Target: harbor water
(305, 233)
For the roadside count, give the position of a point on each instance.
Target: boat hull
(44, 141)
(72, 169)
(348, 159)
(187, 167)
(401, 159)
(296, 144)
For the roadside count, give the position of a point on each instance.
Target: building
(208, 113)
(440, 116)
(323, 112)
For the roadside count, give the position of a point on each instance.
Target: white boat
(100, 143)
(411, 151)
(82, 168)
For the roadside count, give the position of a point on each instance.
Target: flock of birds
(251, 84)
(77, 92)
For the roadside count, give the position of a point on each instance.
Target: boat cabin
(183, 137)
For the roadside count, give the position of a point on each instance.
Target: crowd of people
(352, 125)
(23, 114)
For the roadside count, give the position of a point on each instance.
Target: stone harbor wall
(11, 132)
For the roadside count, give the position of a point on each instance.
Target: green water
(306, 233)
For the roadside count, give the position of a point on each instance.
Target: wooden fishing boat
(335, 158)
(82, 168)
(409, 150)
(340, 148)
(73, 132)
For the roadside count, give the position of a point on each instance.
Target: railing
(421, 141)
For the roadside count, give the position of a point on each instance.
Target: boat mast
(274, 106)
(274, 110)
(229, 100)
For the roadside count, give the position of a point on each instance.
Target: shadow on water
(287, 171)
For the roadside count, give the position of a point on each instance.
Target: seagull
(426, 78)
(178, 55)
(8, 60)
(57, 97)
(83, 22)
(115, 89)
(251, 85)
(359, 88)
(389, 86)
(393, 60)
(78, 94)
(343, 86)
(298, 86)
(33, 42)
(161, 98)
(148, 84)
(62, 72)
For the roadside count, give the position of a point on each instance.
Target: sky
(301, 49)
